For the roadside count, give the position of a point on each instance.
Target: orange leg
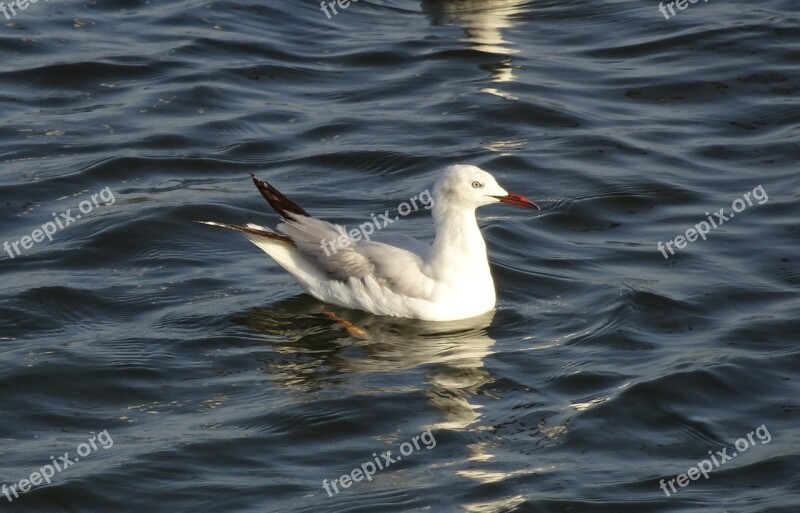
(349, 327)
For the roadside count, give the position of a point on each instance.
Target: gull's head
(472, 187)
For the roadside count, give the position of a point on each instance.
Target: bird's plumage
(392, 274)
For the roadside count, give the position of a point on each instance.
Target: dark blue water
(207, 381)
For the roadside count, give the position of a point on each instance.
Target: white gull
(393, 274)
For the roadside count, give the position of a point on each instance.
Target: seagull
(392, 274)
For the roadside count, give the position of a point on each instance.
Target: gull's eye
(476, 185)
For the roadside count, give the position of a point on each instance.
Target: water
(216, 385)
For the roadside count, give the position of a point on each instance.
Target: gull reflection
(316, 352)
(482, 21)
(445, 360)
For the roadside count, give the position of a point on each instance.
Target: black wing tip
(250, 231)
(285, 207)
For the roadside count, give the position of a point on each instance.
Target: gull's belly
(462, 298)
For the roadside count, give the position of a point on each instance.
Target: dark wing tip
(251, 231)
(280, 203)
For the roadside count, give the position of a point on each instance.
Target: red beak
(520, 201)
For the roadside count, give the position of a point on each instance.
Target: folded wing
(398, 269)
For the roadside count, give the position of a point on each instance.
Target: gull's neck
(459, 251)
(457, 262)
